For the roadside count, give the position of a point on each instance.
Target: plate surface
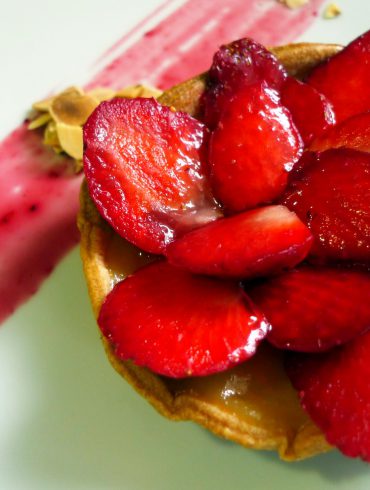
(67, 420)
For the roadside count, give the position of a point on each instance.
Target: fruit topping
(252, 150)
(313, 309)
(344, 78)
(334, 389)
(331, 194)
(351, 133)
(154, 175)
(312, 113)
(144, 168)
(178, 325)
(254, 243)
(236, 65)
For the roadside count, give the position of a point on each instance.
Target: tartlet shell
(96, 235)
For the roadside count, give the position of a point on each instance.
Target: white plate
(67, 420)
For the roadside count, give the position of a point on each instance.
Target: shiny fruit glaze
(257, 391)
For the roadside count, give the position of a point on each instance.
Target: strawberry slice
(344, 78)
(334, 389)
(252, 149)
(144, 168)
(311, 111)
(352, 133)
(254, 243)
(331, 194)
(236, 65)
(313, 309)
(178, 325)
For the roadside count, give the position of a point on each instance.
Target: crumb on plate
(331, 11)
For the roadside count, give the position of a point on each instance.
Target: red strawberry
(236, 65)
(352, 133)
(344, 79)
(178, 325)
(254, 243)
(311, 111)
(314, 309)
(334, 389)
(331, 194)
(144, 168)
(253, 148)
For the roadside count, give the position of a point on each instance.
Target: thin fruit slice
(236, 65)
(311, 111)
(313, 309)
(253, 148)
(352, 133)
(178, 325)
(331, 194)
(254, 243)
(334, 389)
(144, 168)
(345, 79)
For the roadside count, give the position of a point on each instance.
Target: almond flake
(70, 139)
(138, 91)
(64, 114)
(43, 105)
(72, 107)
(102, 93)
(331, 11)
(50, 135)
(294, 4)
(40, 120)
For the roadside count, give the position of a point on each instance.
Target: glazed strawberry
(144, 168)
(352, 133)
(313, 309)
(344, 79)
(254, 243)
(331, 194)
(312, 113)
(178, 325)
(252, 150)
(236, 65)
(334, 389)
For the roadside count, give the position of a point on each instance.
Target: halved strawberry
(331, 194)
(178, 325)
(313, 309)
(344, 78)
(236, 65)
(311, 111)
(253, 148)
(351, 133)
(334, 389)
(144, 168)
(254, 243)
